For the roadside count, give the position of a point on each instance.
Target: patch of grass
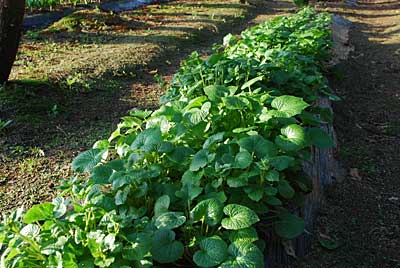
(89, 20)
(28, 165)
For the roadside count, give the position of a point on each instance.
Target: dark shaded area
(126, 5)
(43, 20)
(362, 214)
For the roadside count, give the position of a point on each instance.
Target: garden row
(53, 3)
(199, 181)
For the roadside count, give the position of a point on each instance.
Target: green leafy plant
(197, 181)
(37, 4)
(4, 124)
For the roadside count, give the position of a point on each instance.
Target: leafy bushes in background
(54, 3)
(198, 181)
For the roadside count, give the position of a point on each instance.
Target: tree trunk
(11, 18)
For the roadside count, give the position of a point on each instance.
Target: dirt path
(363, 212)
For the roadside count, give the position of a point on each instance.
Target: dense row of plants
(37, 4)
(198, 181)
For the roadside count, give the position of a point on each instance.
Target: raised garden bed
(190, 183)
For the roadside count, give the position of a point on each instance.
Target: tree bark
(11, 18)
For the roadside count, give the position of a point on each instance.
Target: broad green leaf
(213, 251)
(138, 247)
(209, 211)
(148, 140)
(101, 174)
(235, 103)
(142, 114)
(122, 195)
(165, 248)
(161, 206)
(272, 175)
(101, 144)
(214, 58)
(289, 226)
(189, 192)
(195, 102)
(273, 201)
(281, 162)
(170, 220)
(267, 115)
(190, 177)
(200, 160)
(269, 190)
(243, 160)
(197, 115)
(292, 138)
(213, 139)
(254, 193)
(320, 138)
(60, 207)
(258, 145)
(290, 105)
(181, 154)
(119, 179)
(241, 180)
(247, 235)
(30, 230)
(240, 217)
(328, 243)
(86, 161)
(39, 212)
(251, 82)
(285, 189)
(215, 92)
(229, 40)
(244, 255)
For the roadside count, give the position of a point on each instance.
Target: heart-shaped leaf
(170, 220)
(235, 103)
(213, 251)
(281, 162)
(258, 145)
(161, 206)
(240, 217)
(320, 138)
(200, 160)
(290, 105)
(165, 248)
(39, 212)
(148, 140)
(86, 161)
(292, 138)
(289, 226)
(243, 160)
(215, 92)
(138, 247)
(247, 235)
(285, 189)
(243, 255)
(209, 211)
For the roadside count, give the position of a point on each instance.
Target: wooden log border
(324, 169)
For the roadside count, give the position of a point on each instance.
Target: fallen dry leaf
(354, 174)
